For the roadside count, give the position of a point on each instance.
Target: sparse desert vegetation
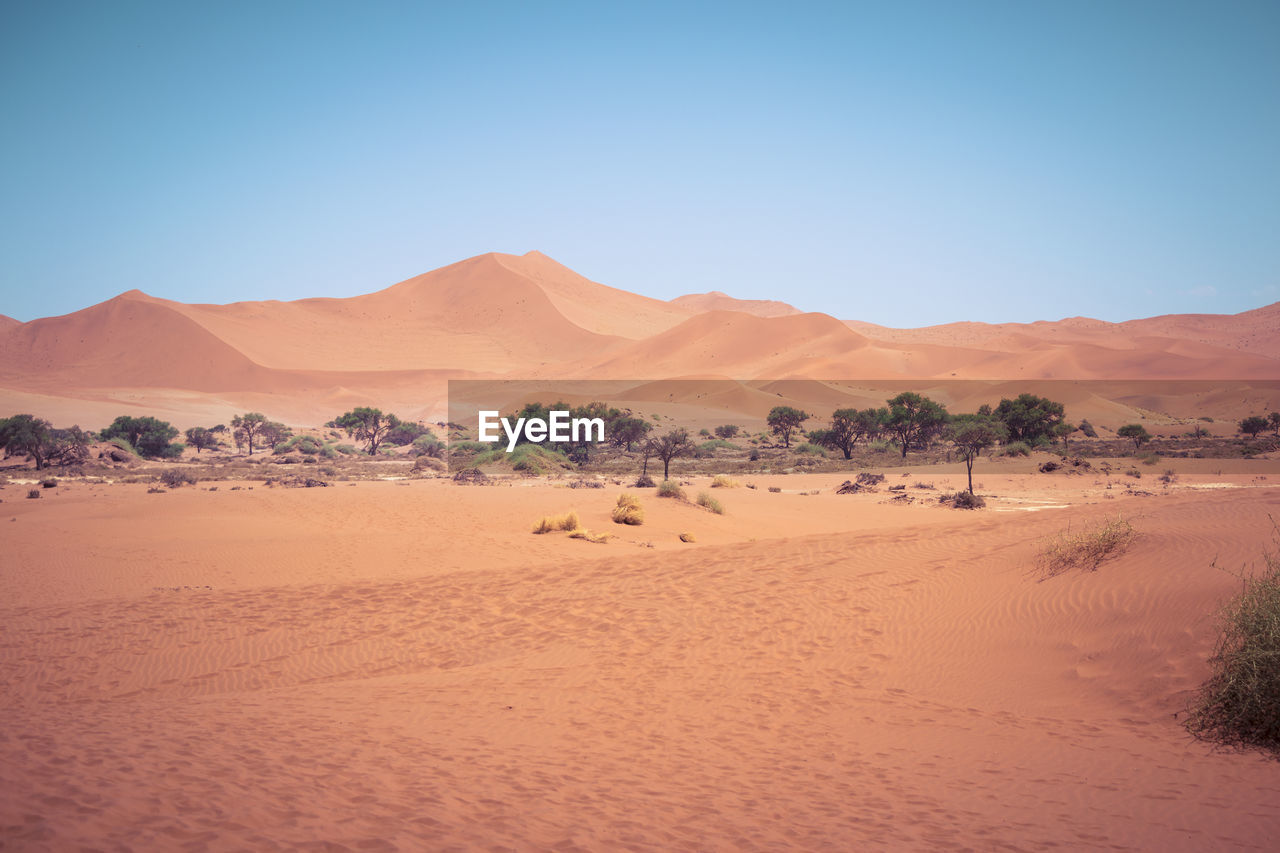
(628, 510)
(552, 523)
(1085, 548)
(706, 501)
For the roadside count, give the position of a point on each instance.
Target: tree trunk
(968, 462)
(666, 469)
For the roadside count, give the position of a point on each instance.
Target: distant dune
(498, 315)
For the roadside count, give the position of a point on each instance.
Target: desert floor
(402, 665)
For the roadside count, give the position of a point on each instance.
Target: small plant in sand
(33, 493)
(707, 502)
(963, 500)
(1239, 706)
(628, 510)
(668, 489)
(50, 483)
(688, 537)
(588, 536)
(173, 478)
(724, 481)
(552, 523)
(1087, 548)
(644, 481)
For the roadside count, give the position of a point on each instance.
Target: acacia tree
(1253, 425)
(246, 427)
(667, 447)
(784, 420)
(849, 426)
(149, 436)
(972, 434)
(1274, 420)
(1136, 432)
(367, 424)
(26, 435)
(1028, 417)
(201, 438)
(626, 431)
(914, 420)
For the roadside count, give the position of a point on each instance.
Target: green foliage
(1136, 432)
(625, 432)
(201, 438)
(848, 427)
(173, 478)
(1088, 430)
(149, 436)
(973, 434)
(708, 448)
(367, 424)
(26, 435)
(1016, 448)
(305, 444)
(784, 420)
(726, 431)
(1239, 705)
(1253, 425)
(914, 420)
(407, 432)
(810, 449)
(1028, 417)
(428, 445)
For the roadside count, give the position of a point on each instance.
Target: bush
(643, 482)
(346, 449)
(1017, 448)
(1134, 473)
(963, 500)
(688, 537)
(305, 444)
(173, 478)
(669, 489)
(1239, 705)
(705, 500)
(588, 536)
(810, 449)
(549, 523)
(1085, 550)
(33, 493)
(628, 510)
(49, 483)
(775, 489)
(724, 481)
(428, 445)
(1150, 459)
(726, 431)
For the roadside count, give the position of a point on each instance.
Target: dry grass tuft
(1239, 705)
(588, 536)
(687, 537)
(705, 500)
(552, 523)
(628, 510)
(724, 481)
(1087, 549)
(668, 489)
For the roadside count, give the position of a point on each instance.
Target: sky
(906, 163)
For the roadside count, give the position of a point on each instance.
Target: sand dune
(499, 315)
(386, 666)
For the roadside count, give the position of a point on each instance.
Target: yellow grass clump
(724, 481)
(705, 500)
(628, 510)
(668, 489)
(1086, 549)
(687, 537)
(588, 536)
(551, 523)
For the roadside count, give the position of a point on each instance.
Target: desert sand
(402, 665)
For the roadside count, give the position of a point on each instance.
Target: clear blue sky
(902, 163)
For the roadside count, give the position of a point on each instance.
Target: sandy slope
(528, 316)
(383, 666)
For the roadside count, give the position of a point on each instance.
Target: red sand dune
(500, 315)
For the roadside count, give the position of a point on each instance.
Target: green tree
(149, 436)
(246, 427)
(667, 447)
(1029, 418)
(1063, 431)
(367, 424)
(784, 420)
(26, 435)
(273, 432)
(914, 420)
(627, 431)
(1274, 420)
(1253, 425)
(201, 439)
(849, 426)
(973, 434)
(1136, 432)
(726, 431)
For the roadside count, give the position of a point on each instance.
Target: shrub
(668, 489)
(643, 482)
(628, 510)
(33, 493)
(550, 523)
(810, 449)
(49, 483)
(709, 448)
(588, 536)
(963, 500)
(724, 481)
(1017, 448)
(1169, 476)
(1239, 705)
(346, 449)
(687, 537)
(1150, 459)
(428, 445)
(173, 478)
(726, 431)
(775, 489)
(1085, 550)
(705, 500)
(1134, 473)
(306, 444)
